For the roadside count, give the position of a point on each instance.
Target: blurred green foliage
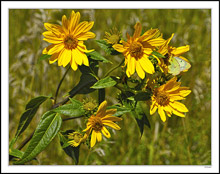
(179, 141)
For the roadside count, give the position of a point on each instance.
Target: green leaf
(36, 101)
(120, 110)
(158, 54)
(74, 109)
(96, 56)
(104, 83)
(45, 132)
(15, 153)
(44, 57)
(107, 47)
(86, 80)
(140, 117)
(72, 152)
(27, 116)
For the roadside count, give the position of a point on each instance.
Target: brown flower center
(96, 123)
(136, 50)
(162, 98)
(70, 42)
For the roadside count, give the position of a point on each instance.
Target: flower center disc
(136, 50)
(70, 42)
(114, 39)
(97, 123)
(162, 99)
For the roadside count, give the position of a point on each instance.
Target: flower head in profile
(165, 98)
(67, 41)
(96, 123)
(170, 51)
(138, 48)
(113, 37)
(76, 139)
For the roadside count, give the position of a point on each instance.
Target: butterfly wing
(184, 65)
(174, 67)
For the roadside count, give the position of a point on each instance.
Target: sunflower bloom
(67, 41)
(96, 123)
(138, 48)
(76, 139)
(165, 99)
(113, 37)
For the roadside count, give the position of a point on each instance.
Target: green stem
(114, 68)
(70, 118)
(61, 81)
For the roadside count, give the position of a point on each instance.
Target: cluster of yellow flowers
(67, 46)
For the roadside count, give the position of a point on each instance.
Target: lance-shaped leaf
(120, 110)
(27, 116)
(158, 54)
(46, 130)
(73, 109)
(15, 153)
(96, 56)
(104, 83)
(106, 47)
(72, 152)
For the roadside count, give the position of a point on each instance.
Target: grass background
(179, 141)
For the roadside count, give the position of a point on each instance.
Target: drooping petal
(153, 107)
(73, 62)
(61, 57)
(146, 65)
(178, 113)
(161, 113)
(54, 58)
(132, 66)
(139, 70)
(93, 138)
(67, 58)
(105, 132)
(99, 136)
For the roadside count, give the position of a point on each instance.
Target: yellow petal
(138, 29)
(53, 40)
(99, 136)
(53, 27)
(52, 35)
(77, 56)
(180, 50)
(146, 65)
(156, 42)
(86, 36)
(85, 28)
(73, 62)
(102, 109)
(87, 128)
(111, 118)
(54, 58)
(67, 58)
(119, 48)
(139, 70)
(80, 28)
(75, 22)
(178, 113)
(105, 132)
(85, 60)
(111, 124)
(153, 108)
(61, 56)
(111, 111)
(82, 47)
(45, 51)
(93, 138)
(57, 48)
(132, 65)
(161, 113)
(179, 106)
(65, 24)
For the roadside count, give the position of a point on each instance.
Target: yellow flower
(96, 123)
(67, 41)
(165, 99)
(77, 139)
(114, 37)
(170, 51)
(138, 48)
